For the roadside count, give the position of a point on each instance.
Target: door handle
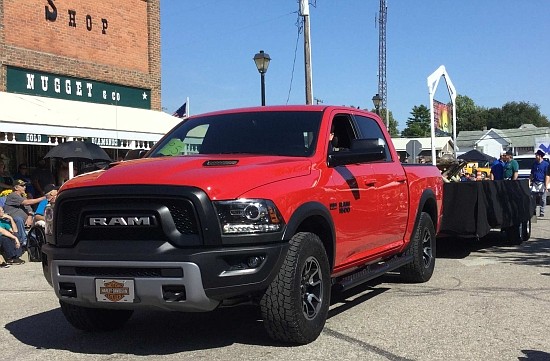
(370, 182)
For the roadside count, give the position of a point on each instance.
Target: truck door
(352, 203)
(389, 183)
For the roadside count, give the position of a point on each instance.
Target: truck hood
(221, 177)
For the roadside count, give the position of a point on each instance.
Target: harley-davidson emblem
(114, 291)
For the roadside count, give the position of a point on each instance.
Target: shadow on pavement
(534, 252)
(534, 355)
(150, 333)
(147, 332)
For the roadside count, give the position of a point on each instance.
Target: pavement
(488, 300)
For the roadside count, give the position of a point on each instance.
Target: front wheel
(295, 306)
(94, 319)
(422, 248)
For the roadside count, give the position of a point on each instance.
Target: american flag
(181, 112)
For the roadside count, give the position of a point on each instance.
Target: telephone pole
(304, 12)
(382, 83)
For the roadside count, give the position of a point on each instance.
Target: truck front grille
(181, 211)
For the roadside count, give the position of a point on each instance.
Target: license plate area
(114, 290)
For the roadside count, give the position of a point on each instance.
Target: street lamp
(376, 100)
(262, 63)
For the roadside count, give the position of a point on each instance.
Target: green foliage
(512, 115)
(468, 115)
(394, 132)
(418, 124)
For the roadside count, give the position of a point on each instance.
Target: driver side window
(343, 133)
(370, 130)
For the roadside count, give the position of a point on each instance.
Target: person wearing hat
(50, 191)
(19, 207)
(511, 166)
(539, 181)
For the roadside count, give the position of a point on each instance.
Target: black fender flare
(305, 211)
(427, 194)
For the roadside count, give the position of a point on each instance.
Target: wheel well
(430, 207)
(319, 226)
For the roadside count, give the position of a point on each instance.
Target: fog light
(254, 261)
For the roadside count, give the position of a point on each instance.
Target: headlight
(248, 216)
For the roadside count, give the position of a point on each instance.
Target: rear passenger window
(369, 129)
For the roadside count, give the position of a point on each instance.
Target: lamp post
(262, 63)
(376, 100)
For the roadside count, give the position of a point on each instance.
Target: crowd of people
(23, 199)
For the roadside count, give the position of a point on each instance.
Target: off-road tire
(94, 319)
(295, 306)
(422, 248)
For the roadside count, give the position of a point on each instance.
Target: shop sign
(33, 82)
(105, 142)
(51, 15)
(31, 138)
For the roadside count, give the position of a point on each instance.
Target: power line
(299, 25)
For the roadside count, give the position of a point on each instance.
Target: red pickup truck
(279, 206)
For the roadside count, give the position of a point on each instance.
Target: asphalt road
(486, 301)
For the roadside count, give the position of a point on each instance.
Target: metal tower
(382, 84)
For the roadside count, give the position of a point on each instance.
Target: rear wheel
(422, 248)
(516, 235)
(295, 306)
(94, 319)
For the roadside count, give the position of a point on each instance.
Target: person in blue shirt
(497, 168)
(539, 181)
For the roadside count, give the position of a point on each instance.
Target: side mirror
(361, 151)
(135, 154)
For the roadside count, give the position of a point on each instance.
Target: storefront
(31, 125)
(83, 70)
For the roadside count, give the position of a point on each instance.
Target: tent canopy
(477, 156)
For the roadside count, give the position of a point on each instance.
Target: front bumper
(165, 278)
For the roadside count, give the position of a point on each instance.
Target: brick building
(79, 69)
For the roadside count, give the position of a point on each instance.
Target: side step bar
(370, 272)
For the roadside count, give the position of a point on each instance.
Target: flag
(181, 112)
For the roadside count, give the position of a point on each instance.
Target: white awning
(57, 117)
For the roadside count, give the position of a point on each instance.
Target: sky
(494, 51)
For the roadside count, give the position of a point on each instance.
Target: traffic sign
(413, 148)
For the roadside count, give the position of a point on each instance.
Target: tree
(468, 114)
(514, 114)
(418, 124)
(394, 132)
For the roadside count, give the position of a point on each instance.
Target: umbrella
(77, 150)
(477, 156)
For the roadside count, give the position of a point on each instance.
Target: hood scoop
(219, 163)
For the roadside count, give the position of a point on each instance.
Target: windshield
(270, 133)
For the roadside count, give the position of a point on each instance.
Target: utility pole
(382, 82)
(304, 12)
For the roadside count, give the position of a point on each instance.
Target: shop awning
(56, 117)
